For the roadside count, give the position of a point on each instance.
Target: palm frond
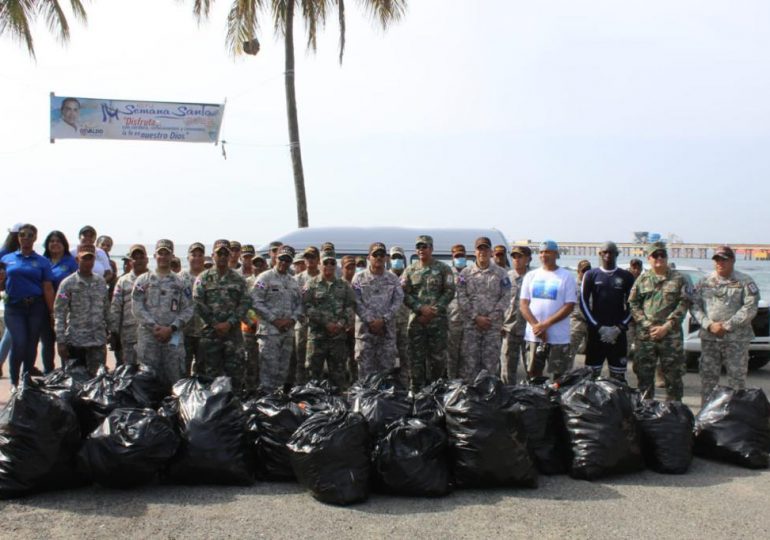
(78, 10)
(314, 15)
(384, 11)
(55, 19)
(278, 9)
(242, 24)
(15, 17)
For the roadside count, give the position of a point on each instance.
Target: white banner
(87, 118)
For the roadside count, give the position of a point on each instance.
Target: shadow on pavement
(702, 473)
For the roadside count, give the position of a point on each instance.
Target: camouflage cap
(175, 261)
(208, 262)
(275, 244)
(482, 241)
(396, 250)
(86, 249)
(247, 249)
(258, 257)
(327, 246)
(521, 250)
(347, 260)
(312, 251)
(196, 245)
(164, 243)
(655, 246)
(299, 258)
(499, 250)
(361, 261)
(424, 239)
(286, 251)
(458, 249)
(235, 245)
(374, 247)
(328, 254)
(136, 247)
(221, 244)
(723, 252)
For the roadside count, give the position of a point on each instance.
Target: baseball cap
(522, 250)
(221, 244)
(86, 249)
(196, 245)
(360, 260)
(457, 249)
(548, 245)
(499, 250)
(327, 246)
(235, 245)
(583, 265)
(136, 247)
(275, 244)
(86, 229)
(299, 257)
(655, 246)
(611, 247)
(328, 254)
(348, 259)
(247, 249)
(482, 241)
(424, 239)
(166, 244)
(396, 250)
(16, 228)
(286, 251)
(208, 262)
(374, 247)
(312, 250)
(724, 252)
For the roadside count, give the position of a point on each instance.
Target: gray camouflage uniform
(514, 326)
(275, 296)
(377, 297)
(455, 332)
(732, 301)
(300, 334)
(81, 313)
(122, 320)
(482, 292)
(162, 300)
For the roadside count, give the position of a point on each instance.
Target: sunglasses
(659, 255)
(330, 263)
(378, 255)
(422, 246)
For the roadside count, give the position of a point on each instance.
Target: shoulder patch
(187, 292)
(753, 289)
(260, 285)
(505, 282)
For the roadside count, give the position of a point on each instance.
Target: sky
(576, 121)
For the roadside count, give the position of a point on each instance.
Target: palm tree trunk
(291, 113)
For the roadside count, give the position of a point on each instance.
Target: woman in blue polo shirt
(57, 251)
(28, 301)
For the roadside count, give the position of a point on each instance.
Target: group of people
(298, 316)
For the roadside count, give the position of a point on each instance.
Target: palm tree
(242, 26)
(16, 17)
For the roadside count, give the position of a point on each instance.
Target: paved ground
(712, 501)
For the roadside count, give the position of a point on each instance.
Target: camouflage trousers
(455, 349)
(223, 356)
(669, 352)
(375, 353)
(480, 350)
(352, 365)
(274, 357)
(300, 346)
(251, 356)
(191, 344)
(578, 336)
(559, 360)
(128, 351)
(332, 351)
(733, 355)
(427, 351)
(166, 359)
(91, 357)
(514, 349)
(402, 344)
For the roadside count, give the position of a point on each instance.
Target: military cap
(235, 245)
(86, 229)
(259, 256)
(348, 259)
(458, 248)
(424, 239)
(86, 249)
(327, 246)
(584, 266)
(164, 243)
(247, 249)
(275, 244)
(635, 262)
(521, 250)
(196, 245)
(328, 254)
(655, 246)
(208, 262)
(221, 244)
(724, 252)
(396, 250)
(134, 248)
(361, 260)
(286, 251)
(548, 245)
(482, 241)
(499, 249)
(374, 247)
(610, 247)
(299, 257)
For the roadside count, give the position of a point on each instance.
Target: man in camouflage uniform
(329, 303)
(249, 329)
(276, 299)
(247, 260)
(222, 301)
(123, 326)
(429, 286)
(196, 253)
(235, 255)
(578, 326)
(724, 304)
(514, 324)
(378, 298)
(397, 267)
(659, 300)
(81, 311)
(162, 305)
(301, 328)
(455, 316)
(484, 293)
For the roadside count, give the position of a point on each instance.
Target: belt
(27, 300)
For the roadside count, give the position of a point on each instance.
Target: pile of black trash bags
(124, 429)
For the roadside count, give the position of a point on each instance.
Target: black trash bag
(314, 397)
(212, 425)
(271, 421)
(412, 459)
(382, 408)
(667, 438)
(39, 439)
(140, 384)
(383, 381)
(67, 381)
(734, 426)
(487, 446)
(330, 456)
(602, 428)
(539, 412)
(571, 378)
(429, 408)
(129, 449)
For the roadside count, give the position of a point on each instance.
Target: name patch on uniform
(753, 288)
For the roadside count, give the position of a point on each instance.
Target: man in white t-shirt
(548, 296)
(87, 236)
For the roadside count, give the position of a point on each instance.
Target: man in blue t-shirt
(604, 301)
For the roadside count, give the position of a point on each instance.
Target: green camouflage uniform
(328, 302)
(514, 326)
(431, 285)
(300, 334)
(655, 301)
(732, 301)
(193, 329)
(222, 299)
(122, 320)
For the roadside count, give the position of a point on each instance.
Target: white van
(356, 240)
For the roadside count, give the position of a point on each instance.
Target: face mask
(460, 262)
(397, 264)
(359, 269)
